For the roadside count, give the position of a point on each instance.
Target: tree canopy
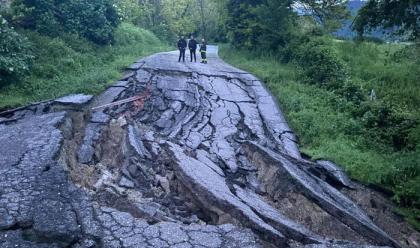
(402, 15)
(93, 19)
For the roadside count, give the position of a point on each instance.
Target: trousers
(204, 56)
(193, 54)
(181, 55)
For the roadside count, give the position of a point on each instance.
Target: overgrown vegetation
(376, 141)
(52, 48)
(70, 64)
(356, 103)
(400, 15)
(15, 53)
(94, 20)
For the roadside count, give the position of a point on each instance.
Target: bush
(388, 125)
(405, 179)
(94, 20)
(163, 32)
(129, 34)
(321, 64)
(71, 64)
(352, 92)
(15, 53)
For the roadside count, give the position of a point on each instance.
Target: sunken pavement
(199, 156)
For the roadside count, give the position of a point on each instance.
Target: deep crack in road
(205, 160)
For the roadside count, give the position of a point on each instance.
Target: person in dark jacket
(182, 45)
(203, 51)
(192, 45)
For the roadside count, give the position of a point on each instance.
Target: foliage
(93, 20)
(130, 11)
(390, 14)
(276, 23)
(331, 13)
(169, 19)
(377, 142)
(321, 64)
(15, 53)
(179, 16)
(242, 23)
(271, 24)
(71, 64)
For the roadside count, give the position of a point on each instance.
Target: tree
(209, 18)
(203, 18)
(403, 15)
(130, 11)
(15, 52)
(273, 23)
(180, 16)
(93, 19)
(276, 23)
(330, 13)
(242, 23)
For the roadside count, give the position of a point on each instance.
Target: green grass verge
(325, 130)
(70, 64)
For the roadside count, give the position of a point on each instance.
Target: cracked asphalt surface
(205, 158)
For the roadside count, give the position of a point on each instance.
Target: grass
(69, 64)
(394, 78)
(327, 131)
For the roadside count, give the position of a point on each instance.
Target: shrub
(163, 32)
(129, 34)
(94, 20)
(321, 64)
(405, 179)
(352, 92)
(15, 53)
(388, 125)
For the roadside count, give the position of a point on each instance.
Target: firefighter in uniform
(203, 51)
(192, 45)
(182, 45)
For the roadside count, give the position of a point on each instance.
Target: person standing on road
(203, 51)
(192, 45)
(182, 45)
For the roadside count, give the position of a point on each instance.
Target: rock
(149, 209)
(122, 122)
(165, 120)
(105, 178)
(77, 99)
(164, 183)
(92, 134)
(149, 136)
(335, 173)
(126, 183)
(136, 143)
(99, 117)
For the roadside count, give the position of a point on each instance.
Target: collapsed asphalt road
(202, 157)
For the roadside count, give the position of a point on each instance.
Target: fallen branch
(139, 98)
